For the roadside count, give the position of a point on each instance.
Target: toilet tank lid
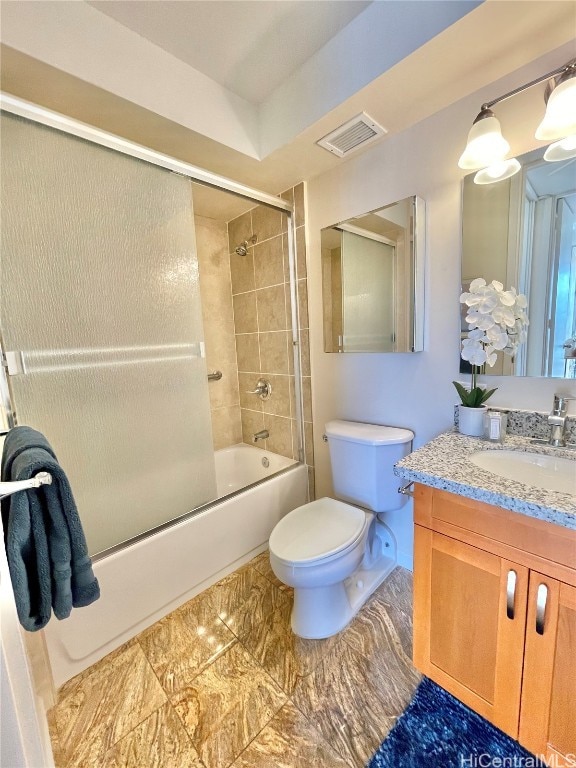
(370, 434)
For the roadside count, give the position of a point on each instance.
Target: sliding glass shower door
(101, 321)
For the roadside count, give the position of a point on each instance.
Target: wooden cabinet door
(548, 708)
(468, 635)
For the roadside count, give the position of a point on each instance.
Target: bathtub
(145, 580)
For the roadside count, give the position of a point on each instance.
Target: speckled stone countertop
(442, 463)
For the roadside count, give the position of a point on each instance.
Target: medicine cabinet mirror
(522, 232)
(373, 280)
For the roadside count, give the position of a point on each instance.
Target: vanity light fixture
(486, 148)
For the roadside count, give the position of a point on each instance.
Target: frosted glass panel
(368, 294)
(100, 304)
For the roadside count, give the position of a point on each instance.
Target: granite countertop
(442, 463)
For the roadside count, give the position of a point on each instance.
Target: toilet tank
(362, 457)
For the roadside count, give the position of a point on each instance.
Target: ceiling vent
(356, 133)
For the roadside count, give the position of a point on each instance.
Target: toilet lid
(317, 530)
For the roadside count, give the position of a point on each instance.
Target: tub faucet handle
(263, 389)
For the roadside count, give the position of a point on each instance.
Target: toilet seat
(318, 532)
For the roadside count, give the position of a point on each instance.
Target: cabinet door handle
(510, 593)
(541, 597)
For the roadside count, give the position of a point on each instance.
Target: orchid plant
(497, 321)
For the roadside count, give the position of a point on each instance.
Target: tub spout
(262, 435)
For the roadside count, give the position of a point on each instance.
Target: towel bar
(42, 478)
(215, 376)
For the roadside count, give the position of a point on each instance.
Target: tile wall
(262, 320)
(218, 318)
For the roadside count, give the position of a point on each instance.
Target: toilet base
(322, 612)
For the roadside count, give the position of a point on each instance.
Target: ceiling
(249, 47)
(170, 75)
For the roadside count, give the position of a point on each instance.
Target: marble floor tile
(160, 741)
(386, 617)
(354, 700)
(283, 655)
(106, 705)
(180, 646)
(227, 705)
(244, 599)
(262, 565)
(289, 741)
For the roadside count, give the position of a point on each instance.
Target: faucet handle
(560, 406)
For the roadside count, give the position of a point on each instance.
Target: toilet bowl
(335, 553)
(316, 549)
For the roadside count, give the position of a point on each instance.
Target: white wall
(413, 390)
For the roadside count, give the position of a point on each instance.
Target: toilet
(336, 552)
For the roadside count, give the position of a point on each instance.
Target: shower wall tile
(218, 321)
(239, 229)
(269, 262)
(299, 215)
(247, 352)
(303, 303)
(252, 422)
(305, 351)
(242, 271)
(278, 403)
(226, 426)
(272, 309)
(307, 397)
(245, 317)
(264, 283)
(301, 252)
(280, 440)
(266, 222)
(274, 350)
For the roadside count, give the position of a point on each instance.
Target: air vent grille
(352, 135)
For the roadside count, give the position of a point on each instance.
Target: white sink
(536, 469)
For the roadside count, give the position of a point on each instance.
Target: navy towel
(45, 544)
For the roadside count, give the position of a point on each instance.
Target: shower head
(242, 249)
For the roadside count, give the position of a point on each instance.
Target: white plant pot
(471, 420)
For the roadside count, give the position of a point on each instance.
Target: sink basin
(536, 469)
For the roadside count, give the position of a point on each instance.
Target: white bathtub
(146, 580)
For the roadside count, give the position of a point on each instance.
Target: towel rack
(215, 376)
(42, 478)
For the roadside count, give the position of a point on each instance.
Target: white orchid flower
(476, 284)
(475, 319)
(498, 285)
(504, 316)
(490, 355)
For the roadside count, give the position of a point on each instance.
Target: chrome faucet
(262, 435)
(557, 421)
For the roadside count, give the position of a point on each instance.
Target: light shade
(560, 118)
(561, 150)
(497, 172)
(486, 145)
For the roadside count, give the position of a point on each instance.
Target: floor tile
(375, 621)
(289, 741)
(262, 565)
(283, 655)
(105, 705)
(244, 599)
(160, 741)
(353, 700)
(227, 705)
(180, 646)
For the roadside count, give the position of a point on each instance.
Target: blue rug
(437, 731)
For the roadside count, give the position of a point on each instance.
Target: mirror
(372, 280)
(522, 232)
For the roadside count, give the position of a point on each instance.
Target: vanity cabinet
(495, 616)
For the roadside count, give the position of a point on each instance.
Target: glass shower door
(101, 321)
